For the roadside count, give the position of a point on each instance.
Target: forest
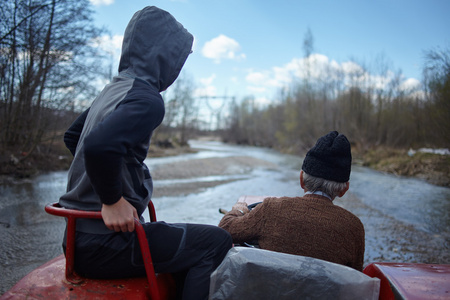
(51, 68)
(372, 109)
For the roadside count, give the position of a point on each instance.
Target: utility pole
(215, 111)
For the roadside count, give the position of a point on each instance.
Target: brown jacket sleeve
(244, 228)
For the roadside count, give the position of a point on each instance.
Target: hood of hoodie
(155, 47)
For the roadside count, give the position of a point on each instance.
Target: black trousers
(189, 249)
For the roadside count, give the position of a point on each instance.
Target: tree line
(48, 66)
(51, 68)
(370, 114)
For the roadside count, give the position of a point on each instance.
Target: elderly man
(310, 225)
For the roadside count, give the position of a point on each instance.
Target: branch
(23, 20)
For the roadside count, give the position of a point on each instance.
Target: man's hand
(119, 216)
(241, 207)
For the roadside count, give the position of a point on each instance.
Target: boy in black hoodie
(110, 141)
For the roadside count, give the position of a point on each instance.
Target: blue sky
(246, 47)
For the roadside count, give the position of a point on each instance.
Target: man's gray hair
(331, 188)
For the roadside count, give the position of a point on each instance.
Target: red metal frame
(72, 216)
(411, 281)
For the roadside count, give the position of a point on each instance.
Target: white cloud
(110, 44)
(319, 66)
(101, 2)
(351, 67)
(256, 89)
(256, 77)
(222, 47)
(266, 78)
(281, 76)
(208, 80)
(410, 84)
(316, 66)
(380, 81)
(412, 87)
(207, 89)
(262, 101)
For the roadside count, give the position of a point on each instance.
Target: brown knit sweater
(310, 226)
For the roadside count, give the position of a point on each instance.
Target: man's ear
(302, 184)
(342, 193)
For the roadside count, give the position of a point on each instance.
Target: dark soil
(434, 168)
(17, 165)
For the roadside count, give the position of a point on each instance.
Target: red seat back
(72, 215)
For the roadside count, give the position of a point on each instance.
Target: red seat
(72, 216)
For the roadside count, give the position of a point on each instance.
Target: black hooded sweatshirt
(110, 140)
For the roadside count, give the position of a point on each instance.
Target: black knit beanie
(330, 158)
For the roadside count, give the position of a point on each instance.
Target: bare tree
(47, 64)
(181, 108)
(437, 83)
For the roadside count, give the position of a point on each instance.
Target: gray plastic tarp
(248, 273)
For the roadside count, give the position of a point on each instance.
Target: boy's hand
(119, 216)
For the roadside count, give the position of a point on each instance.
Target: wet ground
(406, 220)
(401, 224)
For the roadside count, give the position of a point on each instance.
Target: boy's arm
(107, 145)
(72, 135)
